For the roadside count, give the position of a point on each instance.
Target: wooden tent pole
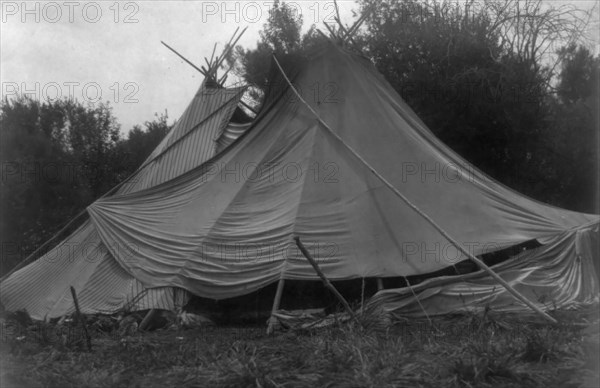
(322, 34)
(333, 34)
(249, 107)
(80, 319)
(182, 57)
(341, 26)
(221, 80)
(337, 10)
(276, 303)
(207, 63)
(212, 56)
(429, 220)
(326, 281)
(357, 24)
(230, 47)
(146, 321)
(379, 284)
(218, 59)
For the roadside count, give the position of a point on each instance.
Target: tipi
(211, 122)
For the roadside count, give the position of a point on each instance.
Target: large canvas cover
(226, 228)
(221, 224)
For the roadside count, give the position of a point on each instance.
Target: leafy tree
(479, 75)
(92, 133)
(578, 80)
(55, 158)
(280, 36)
(141, 142)
(573, 134)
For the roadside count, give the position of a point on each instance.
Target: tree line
(57, 158)
(510, 85)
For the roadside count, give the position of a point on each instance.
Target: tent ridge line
(440, 230)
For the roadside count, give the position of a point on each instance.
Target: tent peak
(341, 34)
(210, 71)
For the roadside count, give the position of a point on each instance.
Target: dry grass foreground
(459, 351)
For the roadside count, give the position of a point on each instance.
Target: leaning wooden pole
(147, 319)
(184, 58)
(458, 246)
(230, 46)
(80, 319)
(276, 303)
(326, 281)
(251, 109)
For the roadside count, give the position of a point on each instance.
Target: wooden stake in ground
(80, 319)
(276, 303)
(326, 281)
(147, 319)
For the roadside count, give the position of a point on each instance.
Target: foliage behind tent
(57, 158)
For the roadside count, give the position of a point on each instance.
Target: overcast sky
(113, 51)
(86, 48)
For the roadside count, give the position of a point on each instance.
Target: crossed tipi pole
(210, 71)
(345, 34)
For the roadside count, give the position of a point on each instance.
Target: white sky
(68, 48)
(76, 51)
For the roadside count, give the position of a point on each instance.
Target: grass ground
(460, 351)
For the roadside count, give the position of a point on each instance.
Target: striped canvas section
(110, 289)
(102, 286)
(193, 139)
(230, 134)
(206, 103)
(42, 285)
(81, 261)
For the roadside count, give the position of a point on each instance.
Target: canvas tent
(226, 228)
